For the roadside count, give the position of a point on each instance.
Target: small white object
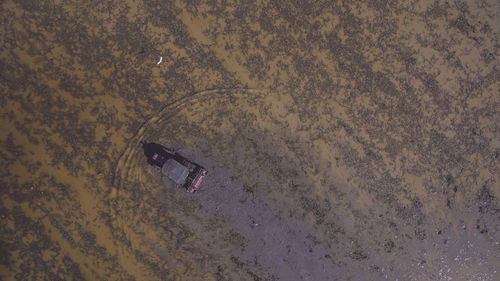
(161, 58)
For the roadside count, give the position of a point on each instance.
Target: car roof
(175, 171)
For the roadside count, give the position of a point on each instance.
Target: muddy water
(344, 141)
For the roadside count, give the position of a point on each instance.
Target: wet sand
(344, 141)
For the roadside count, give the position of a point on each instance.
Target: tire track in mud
(250, 228)
(130, 161)
(133, 144)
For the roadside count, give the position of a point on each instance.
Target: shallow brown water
(344, 141)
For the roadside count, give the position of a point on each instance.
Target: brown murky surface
(344, 141)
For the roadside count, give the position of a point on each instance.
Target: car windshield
(158, 157)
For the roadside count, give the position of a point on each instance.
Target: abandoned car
(177, 168)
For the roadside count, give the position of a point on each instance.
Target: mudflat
(348, 140)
